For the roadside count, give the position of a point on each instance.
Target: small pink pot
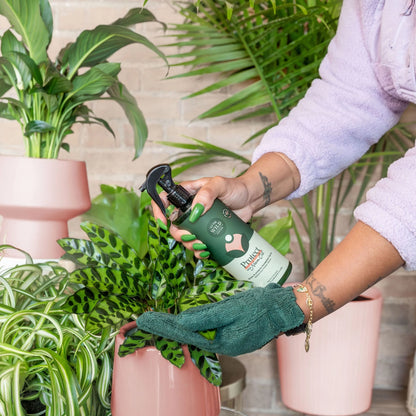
(145, 383)
(336, 376)
(37, 198)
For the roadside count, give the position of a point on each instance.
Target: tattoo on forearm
(318, 289)
(267, 189)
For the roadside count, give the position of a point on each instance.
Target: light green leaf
(25, 17)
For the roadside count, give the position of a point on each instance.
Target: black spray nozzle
(162, 175)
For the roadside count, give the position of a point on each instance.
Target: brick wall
(169, 118)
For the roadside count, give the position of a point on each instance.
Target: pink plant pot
(37, 198)
(336, 376)
(145, 383)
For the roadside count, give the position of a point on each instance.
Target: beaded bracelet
(308, 327)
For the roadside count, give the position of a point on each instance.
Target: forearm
(357, 263)
(271, 178)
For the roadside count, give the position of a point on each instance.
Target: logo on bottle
(236, 245)
(252, 260)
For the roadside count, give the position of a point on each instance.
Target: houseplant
(267, 55)
(118, 285)
(49, 97)
(49, 364)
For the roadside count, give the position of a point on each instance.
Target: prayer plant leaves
(117, 285)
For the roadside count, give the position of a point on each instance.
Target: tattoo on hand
(318, 289)
(267, 189)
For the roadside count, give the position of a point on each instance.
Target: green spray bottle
(232, 243)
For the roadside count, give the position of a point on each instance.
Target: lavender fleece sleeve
(341, 116)
(344, 111)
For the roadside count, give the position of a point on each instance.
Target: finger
(205, 317)
(166, 325)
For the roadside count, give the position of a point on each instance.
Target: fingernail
(199, 246)
(170, 209)
(196, 212)
(188, 237)
(204, 254)
(161, 224)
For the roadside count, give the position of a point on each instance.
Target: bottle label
(261, 263)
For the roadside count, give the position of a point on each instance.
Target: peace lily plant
(50, 96)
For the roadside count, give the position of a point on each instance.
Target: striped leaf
(105, 279)
(112, 310)
(208, 364)
(171, 350)
(135, 340)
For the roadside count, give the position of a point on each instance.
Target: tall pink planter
(336, 376)
(145, 383)
(37, 198)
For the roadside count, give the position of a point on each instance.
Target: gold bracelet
(308, 330)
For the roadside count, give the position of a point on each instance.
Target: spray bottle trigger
(150, 184)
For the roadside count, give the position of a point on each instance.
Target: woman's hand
(270, 179)
(232, 191)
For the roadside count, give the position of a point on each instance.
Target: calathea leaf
(207, 364)
(111, 310)
(171, 350)
(104, 279)
(83, 300)
(112, 246)
(135, 340)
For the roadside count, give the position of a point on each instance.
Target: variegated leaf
(111, 245)
(83, 252)
(207, 363)
(112, 310)
(171, 350)
(135, 340)
(83, 300)
(113, 281)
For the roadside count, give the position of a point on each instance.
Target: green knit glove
(244, 322)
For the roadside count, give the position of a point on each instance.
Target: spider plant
(267, 53)
(49, 364)
(50, 96)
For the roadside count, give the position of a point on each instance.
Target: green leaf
(47, 17)
(37, 126)
(95, 46)
(277, 233)
(111, 311)
(208, 364)
(112, 246)
(170, 350)
(104, 279)
(25, 18)
(137, 15)
(120, 210)
(135, 340)
(119, 93)
(83, 300)
(92, 84)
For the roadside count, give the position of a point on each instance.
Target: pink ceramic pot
(336, 376)
(145, 383)
(37, 198)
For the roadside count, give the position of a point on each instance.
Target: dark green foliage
(116, 285)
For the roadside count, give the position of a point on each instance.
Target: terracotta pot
(336, 376)
(145, 383)
(37, 198)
